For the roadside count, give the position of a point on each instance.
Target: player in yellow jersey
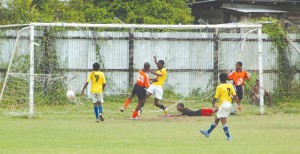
(156, 88)
(223, 92)
(98, 84)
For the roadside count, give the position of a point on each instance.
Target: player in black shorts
(188, 112)
(139, 89)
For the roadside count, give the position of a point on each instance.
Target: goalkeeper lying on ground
(188, 112)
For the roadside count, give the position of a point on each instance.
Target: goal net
(44, 60)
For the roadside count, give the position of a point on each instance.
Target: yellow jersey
(98, 79)
(224, 92)
(160, 79)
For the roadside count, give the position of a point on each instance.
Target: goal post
(33, 26)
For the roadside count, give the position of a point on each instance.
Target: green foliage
(94, 11)
(19, 11)
(285, 71)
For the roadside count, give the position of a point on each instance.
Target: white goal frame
(258, 28)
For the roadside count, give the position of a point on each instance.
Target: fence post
(131, 57)
(216, 57)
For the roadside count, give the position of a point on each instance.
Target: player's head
(238, 65)
(180, 106)
(146, 66)
(160, 64)
(96, 66)
(223, 77)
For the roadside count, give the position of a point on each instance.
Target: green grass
(72, 129)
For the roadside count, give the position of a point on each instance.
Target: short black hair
(180, 104)
(96, 66)
(240, 63)
(146, 65)
(161, 62)
(223, 77)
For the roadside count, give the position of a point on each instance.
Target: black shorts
(239, 92)
(139, 91)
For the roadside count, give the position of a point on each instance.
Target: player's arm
(230, 75)
(214, 102)
(85, 85)
(104, 82)
(247, 76)
(157, 74)
(177, 115)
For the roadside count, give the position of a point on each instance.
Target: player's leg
(141, 94)
(128, 100)
(267, 94)
(225, 128)
(100, 102)
(223, 113)
(96, 109)
(239, 92)
(211, 128)
(136, 111)
(253, 99)
(158, 94)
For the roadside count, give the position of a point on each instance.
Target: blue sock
(212, 127)
(225, 128)
(100, 109)
(96, 112)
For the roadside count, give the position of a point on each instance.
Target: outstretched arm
(157, 74)
(177, 115)
(155, 59)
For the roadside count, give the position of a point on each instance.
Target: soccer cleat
(101, 117)
(122, 109)
(97, 120)
(204, 132)
(228, 139)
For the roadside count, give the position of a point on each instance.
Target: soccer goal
(43, 60)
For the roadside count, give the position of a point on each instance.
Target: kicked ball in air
(70, 94)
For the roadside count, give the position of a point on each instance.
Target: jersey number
(97, 78)
(228, 90)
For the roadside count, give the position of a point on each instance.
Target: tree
(18, 11)
(149, 11)
(95, 11)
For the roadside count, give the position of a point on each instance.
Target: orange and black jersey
(238, 77)
(143, 79)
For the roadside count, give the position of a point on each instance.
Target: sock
(126, 103)
(96, 112)
(225, 128)
(135, 113)
(100, 109)
(212, 127)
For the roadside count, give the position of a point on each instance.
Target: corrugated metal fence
(191, 57)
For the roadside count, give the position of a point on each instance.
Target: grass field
(72, 129)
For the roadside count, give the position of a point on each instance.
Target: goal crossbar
(83, 25)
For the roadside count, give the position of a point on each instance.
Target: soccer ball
(70, 94)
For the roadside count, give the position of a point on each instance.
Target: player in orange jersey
(238, 76)
(139, 89)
